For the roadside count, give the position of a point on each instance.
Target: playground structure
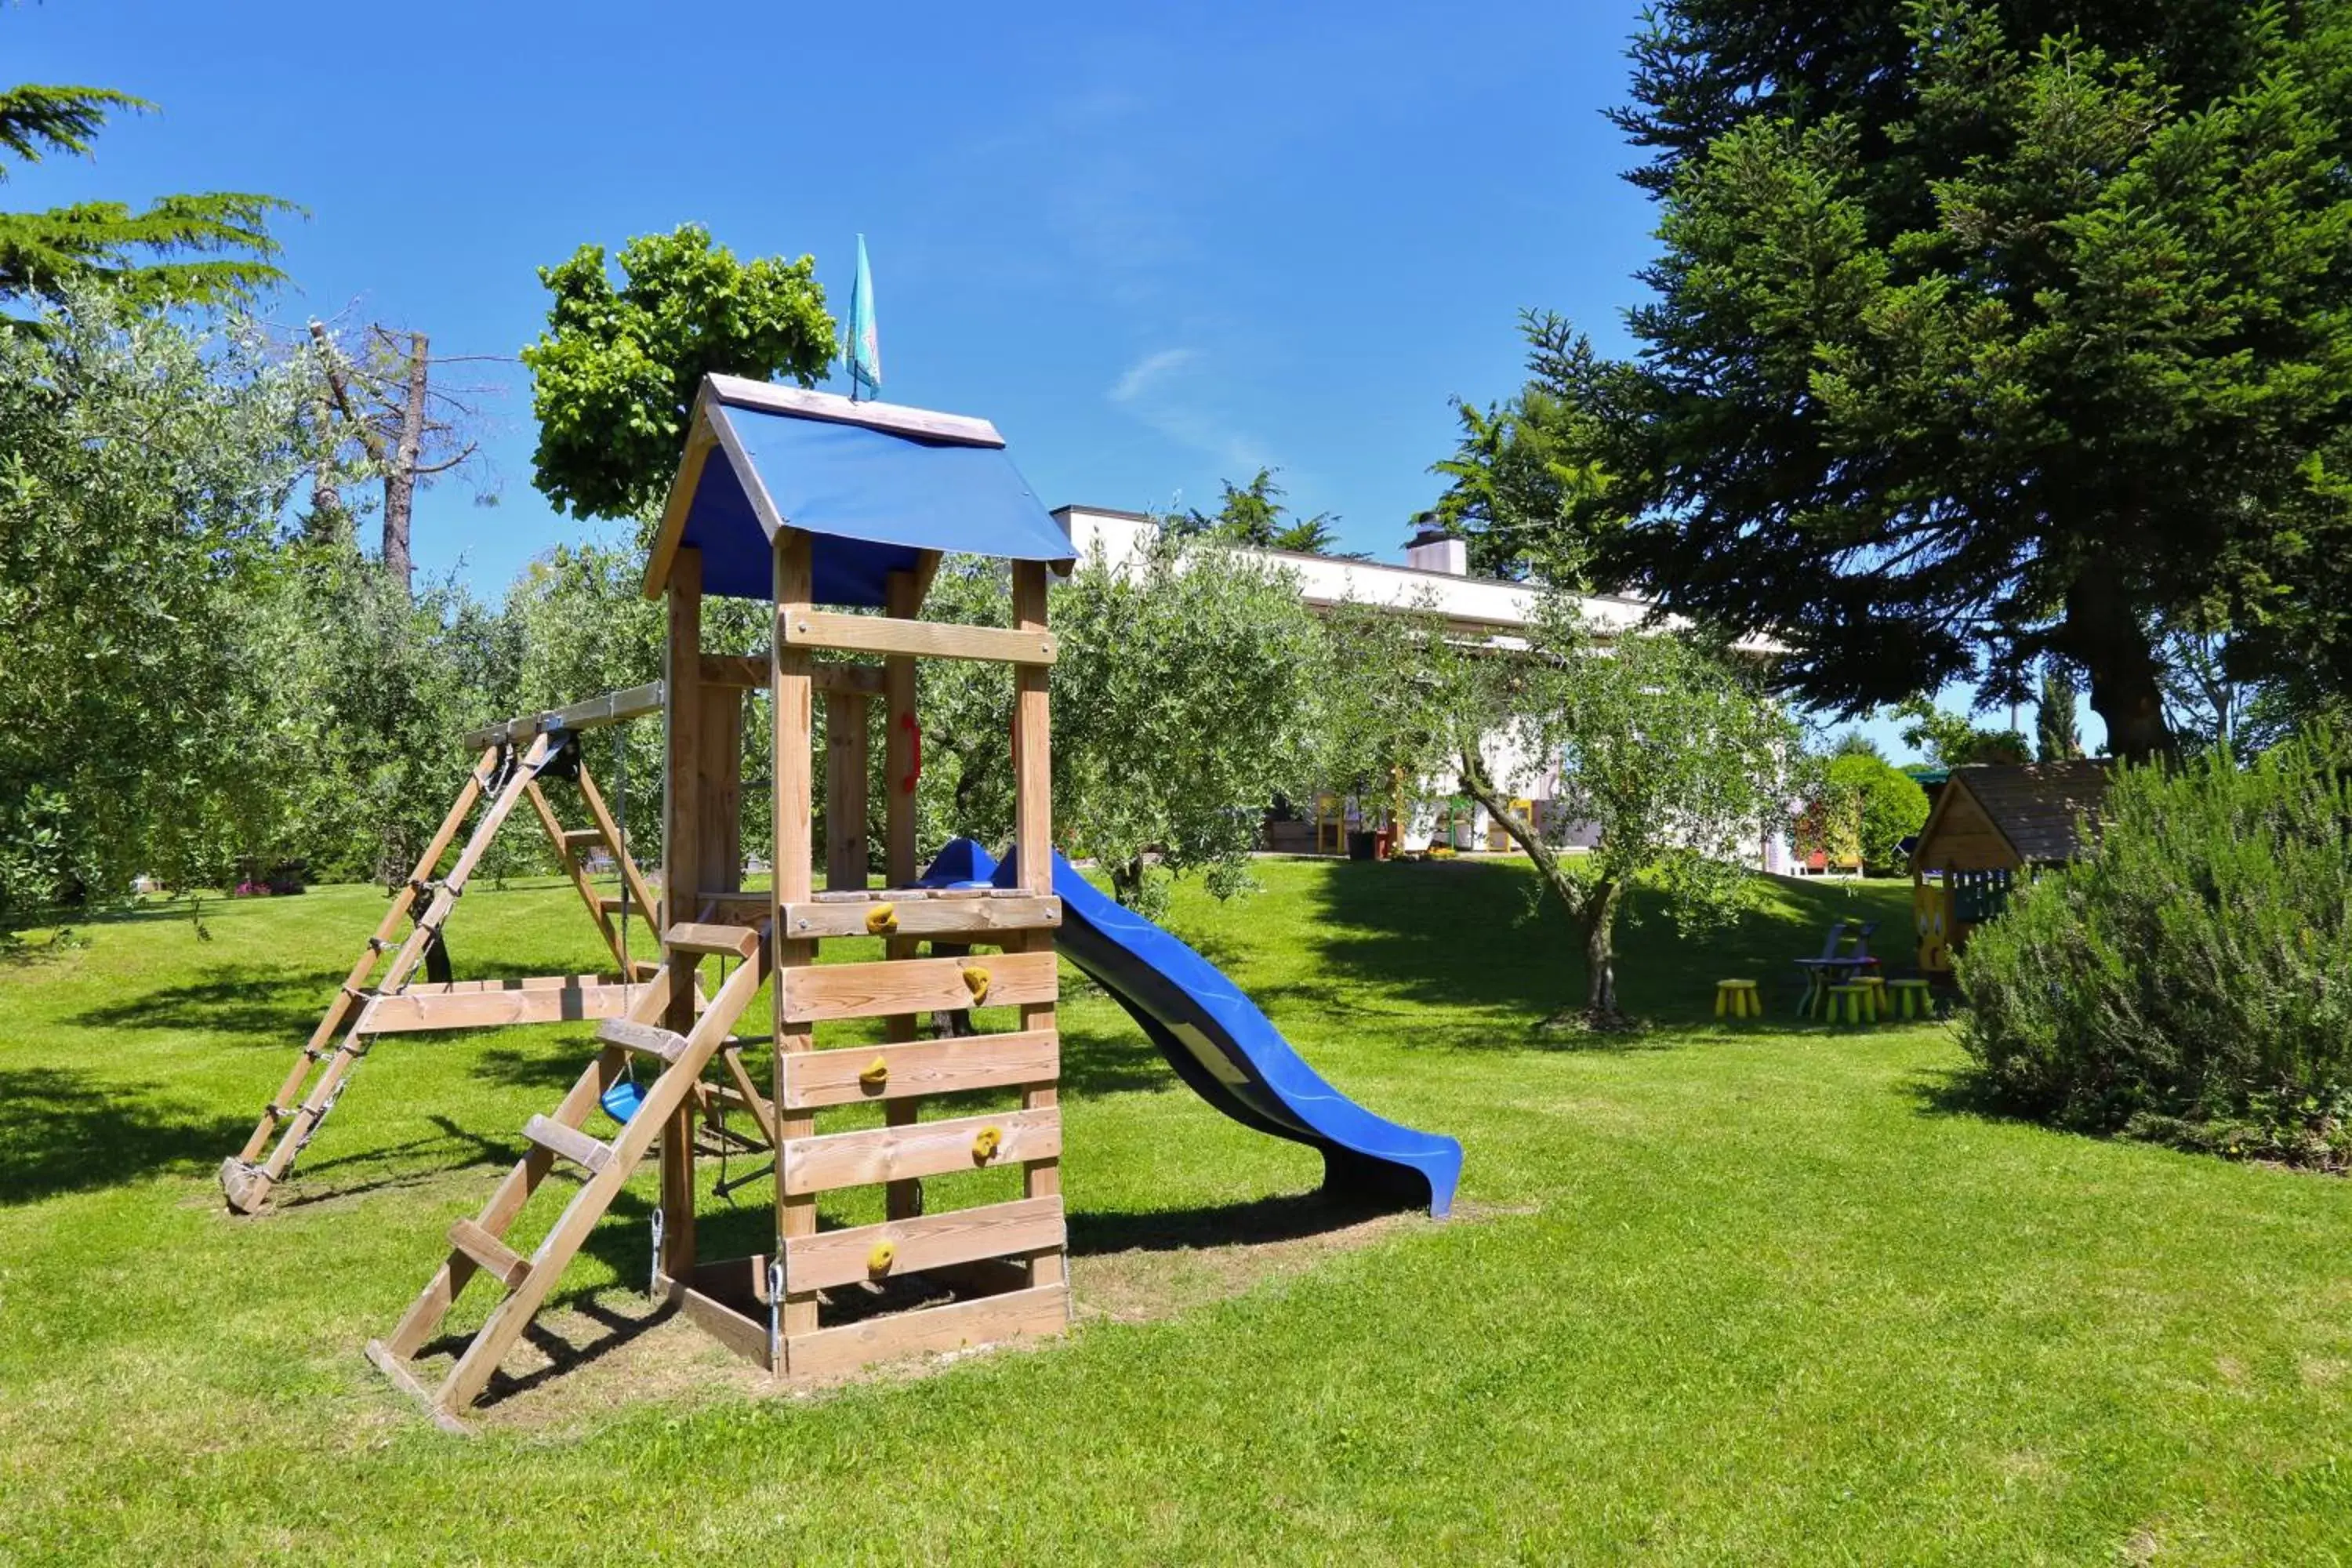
(1993, 823)
(373, 1002)
(804, 500)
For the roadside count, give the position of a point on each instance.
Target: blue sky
(1159, 246)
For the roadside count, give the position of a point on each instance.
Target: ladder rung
(502, 1262)
(650, 1038)
(582, 837)
(725, 941)
(569, 1142)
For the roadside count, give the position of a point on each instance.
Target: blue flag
(865, 351)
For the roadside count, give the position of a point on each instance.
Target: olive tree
(1654, 745)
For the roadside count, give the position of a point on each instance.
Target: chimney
(1434, 549)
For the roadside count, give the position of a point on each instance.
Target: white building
(1435, 574)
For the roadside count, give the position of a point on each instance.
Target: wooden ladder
(318, 1073)
(478, 1246)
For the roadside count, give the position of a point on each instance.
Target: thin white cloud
(1140, 377)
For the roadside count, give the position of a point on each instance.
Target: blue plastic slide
(1223, 1047)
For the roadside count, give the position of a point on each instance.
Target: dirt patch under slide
(578, 1364)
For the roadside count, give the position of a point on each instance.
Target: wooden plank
(845, 1076)
(584, 838)
(800, 625)
(963, 1235)
(792, 769)
(421, 1007)
(405, 1380)
(903, 595)
(725, 1325)
(682, 867)
(976, 919)
(1033, 811)
(992, 1319)
(873, 1155)
(956, 429)
(751, 670)
(569, 1142)
(652, 1039)
(912, 986)
(497, 1259)
(717, 940)
(699, 443)
(590, 713)
(846, 721)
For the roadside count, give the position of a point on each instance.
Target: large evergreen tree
(1986, 332)
(208, 249)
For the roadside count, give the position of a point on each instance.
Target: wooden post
(900, 747)
(1033, 815)
(681, 874)
(718, 838)
(792, 768)
(847, 715)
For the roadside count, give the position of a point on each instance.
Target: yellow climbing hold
(879, 1261)
(877, 1073)
(975, 980)
(882, 920)
(985, 1144)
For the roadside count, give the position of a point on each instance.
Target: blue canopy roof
(876, 484)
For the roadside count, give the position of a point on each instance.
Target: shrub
(1866, 806)
(2191, 980)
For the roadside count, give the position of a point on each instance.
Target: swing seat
(621, 1101)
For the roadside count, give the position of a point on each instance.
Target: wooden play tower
(832, 511)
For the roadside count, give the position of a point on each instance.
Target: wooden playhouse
(1992, 824)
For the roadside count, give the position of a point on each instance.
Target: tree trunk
(1599, 918)
(400, 479)
(1594, 908)
(2104, 635)
(1126, 882)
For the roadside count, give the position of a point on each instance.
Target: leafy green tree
(1524, 491)
(1863, 809)
(202, 249)
(1953, 741)
(144, 463)
(1183, 699)
(1252, 516)
(1985, 332)
(2057, 737)
(1663, 752)
(614, 377)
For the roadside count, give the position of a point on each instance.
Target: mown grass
(1718, 1294)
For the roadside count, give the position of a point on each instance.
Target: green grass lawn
(1717, 1294)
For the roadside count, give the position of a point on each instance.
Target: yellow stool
(1911, 999)
(1848, 1002)
(1875, 1002)
(1739, 998)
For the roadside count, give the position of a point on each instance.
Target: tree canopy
(208, 249)
(1252, 516)
(614, 374)
(1985, 332)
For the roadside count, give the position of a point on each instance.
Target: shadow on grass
(1468, 935)
(1966, 1091)
(1288, 1218)
(69, 1132)
(454, 1149)
(268, 1002)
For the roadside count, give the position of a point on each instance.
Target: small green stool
(1741, 998)
(1875, 1005)
(1911, 999)
(1849, 1004)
